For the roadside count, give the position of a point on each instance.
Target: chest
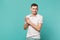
(34, 20)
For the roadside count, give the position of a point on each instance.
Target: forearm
(36, 27)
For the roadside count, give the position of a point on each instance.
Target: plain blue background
(13, 12)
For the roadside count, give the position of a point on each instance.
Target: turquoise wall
(13, 12)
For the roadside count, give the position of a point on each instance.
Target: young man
(33, 22)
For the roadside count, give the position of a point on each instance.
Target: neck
(34, 14)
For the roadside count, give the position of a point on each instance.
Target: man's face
(34, 9)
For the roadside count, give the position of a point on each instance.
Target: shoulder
(39, 15)
(28, 15)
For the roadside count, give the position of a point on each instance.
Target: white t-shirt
(31, 31)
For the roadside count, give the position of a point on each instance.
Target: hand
(28, 20)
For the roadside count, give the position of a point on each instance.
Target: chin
(34, 13)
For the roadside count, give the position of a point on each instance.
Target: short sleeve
(40, 19)
(27, 16)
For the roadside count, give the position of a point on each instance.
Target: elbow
(24, 28)
(38, 29)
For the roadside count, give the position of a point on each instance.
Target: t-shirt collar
(33, 16)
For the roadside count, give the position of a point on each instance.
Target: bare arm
(36, 27)
(26, 24)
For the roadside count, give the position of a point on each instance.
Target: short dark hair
(34, 4)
